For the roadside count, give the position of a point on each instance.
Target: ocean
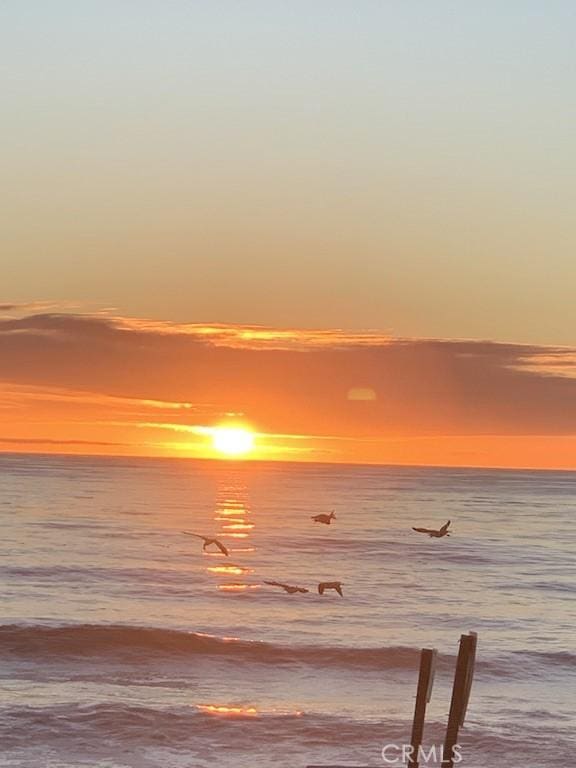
(123, 645)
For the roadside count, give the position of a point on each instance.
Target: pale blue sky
(402, 165)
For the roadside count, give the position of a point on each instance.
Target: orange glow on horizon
(48, 420)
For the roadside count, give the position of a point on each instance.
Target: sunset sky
(346, 226)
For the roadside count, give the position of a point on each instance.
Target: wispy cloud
(22, 307)
(19, 394)
(51, 441)
(214, 334)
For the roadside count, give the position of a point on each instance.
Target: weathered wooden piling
(423, 695)
(460, 695)
(461, 688)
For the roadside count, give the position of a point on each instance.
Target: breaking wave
(132, 643)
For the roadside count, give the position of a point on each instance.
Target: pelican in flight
(324, 585)
(433, 532)
(326, 519)
(288, 588)
(208, 540)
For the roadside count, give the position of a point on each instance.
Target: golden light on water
(234, 570)
(232, 515)
(214, 709)
(238, 527)
(234, 710)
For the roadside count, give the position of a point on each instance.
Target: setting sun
(232, 441)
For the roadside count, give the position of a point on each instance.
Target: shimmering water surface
(122, 644)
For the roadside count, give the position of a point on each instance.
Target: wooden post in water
(460, 695)
(423, 695)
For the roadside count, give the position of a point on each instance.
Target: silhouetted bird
(291, 590)
(324, 585)
(326, 519)
(433, 532)
(208, 540)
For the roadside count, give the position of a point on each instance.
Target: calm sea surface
(122, 644)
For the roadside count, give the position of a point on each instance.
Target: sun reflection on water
(238, 527)
(241, 710)
(215, 709)
(234, 570)
(232, 521)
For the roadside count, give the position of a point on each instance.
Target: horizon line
(246, 461)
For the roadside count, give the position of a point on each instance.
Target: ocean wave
(188, 727)
(83, 640)
(124, 722)
(87, 727)
(133, 643)
(554, 658)
(92, 574)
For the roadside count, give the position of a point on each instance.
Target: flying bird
(208, 540)
(289, 588)
(433, 532)
(326, 519)
(324, 585)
